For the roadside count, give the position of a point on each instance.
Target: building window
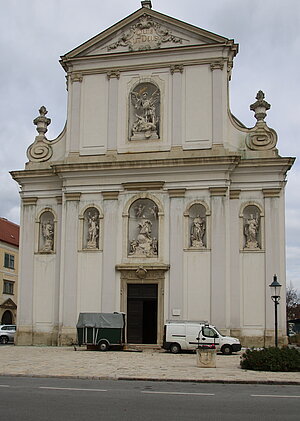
(8, 287)
(9, 261)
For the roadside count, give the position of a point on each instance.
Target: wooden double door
(142, 307)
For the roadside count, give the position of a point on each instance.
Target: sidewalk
(146, 365)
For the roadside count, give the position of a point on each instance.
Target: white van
(188, 335)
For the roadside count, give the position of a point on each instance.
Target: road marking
(72, 388)
(4, 385)
(276, 396)
(178, 393)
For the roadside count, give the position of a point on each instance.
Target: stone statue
(93, 231)
(251, 227)
(146, 123)
(48, 235)
(197, 232)
(144, 244)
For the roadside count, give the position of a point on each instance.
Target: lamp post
(275, 290)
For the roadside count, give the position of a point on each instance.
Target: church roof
(144, 30)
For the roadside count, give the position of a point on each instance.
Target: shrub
(271, 359)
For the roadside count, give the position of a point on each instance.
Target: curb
(154, 379)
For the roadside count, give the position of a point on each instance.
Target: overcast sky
(35, 33)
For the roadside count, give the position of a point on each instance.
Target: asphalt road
(45, 399)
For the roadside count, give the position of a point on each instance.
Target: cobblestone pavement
(147, 365)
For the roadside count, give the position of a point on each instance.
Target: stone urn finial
(260, 107)
(42, 122)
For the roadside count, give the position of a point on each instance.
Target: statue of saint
(145, 244)
(146, 123)
(93, 231)
(197, 232)
(251, 231)
(48, 235)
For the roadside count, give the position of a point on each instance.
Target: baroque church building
(155, 200)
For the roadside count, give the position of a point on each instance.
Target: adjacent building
(9, 254)
(154, 200)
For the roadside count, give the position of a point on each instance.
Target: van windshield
(220, 334)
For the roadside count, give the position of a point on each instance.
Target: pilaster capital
(76, 77)
(113, 74)
(269, 193)
(176, 193)
(218, 191)
(234, 194)
(216, 65)
(72, 196)
(29, 201)
(176, 68)
(110, 195)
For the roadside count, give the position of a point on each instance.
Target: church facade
(155, 200)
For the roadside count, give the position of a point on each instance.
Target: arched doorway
(7, 318)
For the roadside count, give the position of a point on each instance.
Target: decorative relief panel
(143, 229)
(146, 34)
(144, 112)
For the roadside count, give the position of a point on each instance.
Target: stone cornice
(214, 61)
(143, 185)
(140, 162)
(147, 266)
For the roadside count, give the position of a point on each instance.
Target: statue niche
(91, 229)
(143, 229)
(197, 226)
(251, 228)
(144, 106)
(46, 236)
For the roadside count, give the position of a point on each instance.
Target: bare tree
(292, 303)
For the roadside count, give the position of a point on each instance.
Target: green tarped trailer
(101, 329)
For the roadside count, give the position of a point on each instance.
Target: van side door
(192, 334)
(208, 336)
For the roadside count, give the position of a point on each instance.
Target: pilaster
(110, 232)
(218, 256)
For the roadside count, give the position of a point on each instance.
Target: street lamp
(275, 290)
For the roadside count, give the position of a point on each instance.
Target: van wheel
(103, 346)
(3, 339)
(175, 348)
(226, 350)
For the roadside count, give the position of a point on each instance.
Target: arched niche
(143, 228)
(252, 226)
(47, 228)
(91, 228)
(197, 225)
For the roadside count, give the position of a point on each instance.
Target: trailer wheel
(226, 350)
(103, 346)
(175, 348)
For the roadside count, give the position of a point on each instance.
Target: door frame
(144, 274)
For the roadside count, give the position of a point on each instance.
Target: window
(9, 261)
(8, 287)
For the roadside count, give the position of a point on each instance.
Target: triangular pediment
(145, 29)
(9, 304)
